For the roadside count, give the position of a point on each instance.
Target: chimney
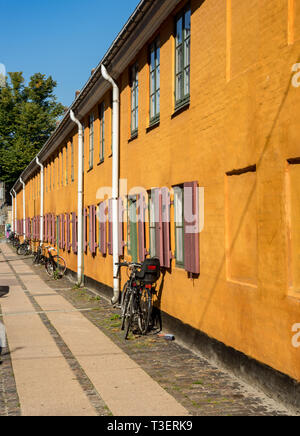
(77, 93)
(93, 70)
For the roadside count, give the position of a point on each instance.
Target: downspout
(42, 201)
(24, 208)
(115, 181)
(79, 199)
(12, 213)
(15, 210)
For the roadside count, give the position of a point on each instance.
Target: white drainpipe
(24, 208)
(79, 199)
(15, 210)
(12, 213)
(115, 181)
(42, 201)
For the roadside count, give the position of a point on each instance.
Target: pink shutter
(102, 228)
(121, 227)
(85, 229)
(141, 227)
(68, 232)
(53, 229)
(64, 231)
(158, 225)
(74, 233)
(94, 230)
(166, 202)
(191, 228)
(110, 228)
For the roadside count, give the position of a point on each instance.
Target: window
(134, 99)
(67, 163)
(179, 225)
(91, 142)
(72, 161)
(154, 81)
(62, 167)
(183, 37)
(132, 229)
(101, 119)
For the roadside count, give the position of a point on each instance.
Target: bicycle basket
(150, 271)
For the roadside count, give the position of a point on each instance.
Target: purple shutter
(74, 233)
(85, 229)
(166, 202)
(68, 232)
(141, 227)
(63, 231)
(92, 230)
(94, 236)
(121, 227)
(46, 228)
(53, 229)
(158, 225)
(110, 228)
(102, 228)
(191, 228)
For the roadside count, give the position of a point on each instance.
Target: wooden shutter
(85, 229)
(158, 225)
(92, 229)
(141, 227)
(68, 245)
(110, 228)
(102, 228)
(191, 228)
(74, 233)
(166, 203)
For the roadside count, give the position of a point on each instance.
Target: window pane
(187, 81)
(179, 244)
(187, 52)
(179, 59)
(152, 83)
(179, 87)
(158, 102)
(158, 78)
(179, 31)
(187, 23)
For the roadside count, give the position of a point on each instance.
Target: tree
(28, 116)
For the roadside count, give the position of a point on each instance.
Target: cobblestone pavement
(199, 386)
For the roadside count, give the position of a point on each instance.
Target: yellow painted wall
(243, 112)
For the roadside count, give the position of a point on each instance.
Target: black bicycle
(24, 249)
(137, 295)
(38, 257)
(55, 265)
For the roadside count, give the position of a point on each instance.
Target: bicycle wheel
(129, 314)
(60, 265)
(144, 311)
(49, 267)
(124, 303)
(21, 250)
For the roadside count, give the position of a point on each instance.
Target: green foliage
(28, 116)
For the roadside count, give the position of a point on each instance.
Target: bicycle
(137, 295)
(39, 258)
(55, 265)
(24, 249)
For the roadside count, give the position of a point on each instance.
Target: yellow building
(209, 98)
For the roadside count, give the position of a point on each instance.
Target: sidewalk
(46, 384)
(69, 358)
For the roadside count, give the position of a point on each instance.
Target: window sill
(90, 169)
(134, 136)
(100, 162)
(153, 124)
(181, 107)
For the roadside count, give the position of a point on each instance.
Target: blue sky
(61, 38)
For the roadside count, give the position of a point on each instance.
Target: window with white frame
(183, 39)
(134, 99)
(154, 80)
